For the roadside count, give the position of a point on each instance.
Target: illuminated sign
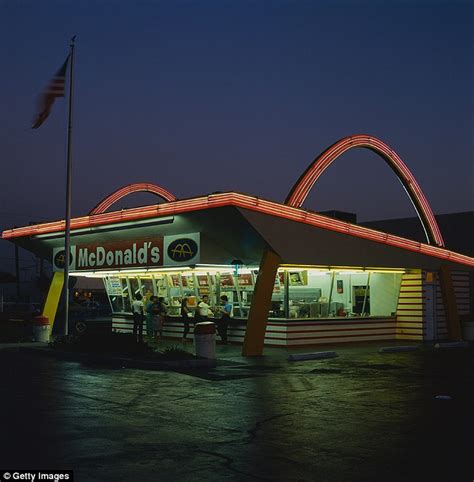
(247, 202)
(122, 254)
(59, 258)
(182, 249)
(132, 253)
(114, 286)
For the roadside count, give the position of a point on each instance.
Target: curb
(16, 346)
(126, 362)
(452, 344)
(319, 355)
(394, 349)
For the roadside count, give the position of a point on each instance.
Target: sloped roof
(286, 229)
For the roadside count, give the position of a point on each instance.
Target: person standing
(138, 317)
(153, 317)
(185, 316)
(162, 310)
(223, 322)
(203, 310)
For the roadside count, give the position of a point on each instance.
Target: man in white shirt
(203, 310)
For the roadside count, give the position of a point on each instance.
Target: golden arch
(303, 186)
(129, 189)
(181, 250)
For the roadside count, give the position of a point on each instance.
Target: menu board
(202, 281)
(278, 282)
(245, 279)
(226, 279)
(298, 278)
(188, 281)
(175, 279)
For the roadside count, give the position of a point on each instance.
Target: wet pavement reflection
(363, 416)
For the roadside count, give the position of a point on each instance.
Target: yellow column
(261, 302)
(54, 295)
(449, 302)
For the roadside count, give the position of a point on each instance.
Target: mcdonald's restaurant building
(294, 277)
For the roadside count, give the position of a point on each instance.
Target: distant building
(342, 215)
(456, 229)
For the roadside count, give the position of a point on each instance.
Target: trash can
(41, 328)
(205, 339)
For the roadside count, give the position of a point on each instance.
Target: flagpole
(67, 233)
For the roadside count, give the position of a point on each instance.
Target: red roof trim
(247, 202)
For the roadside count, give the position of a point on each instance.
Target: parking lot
(363, 416)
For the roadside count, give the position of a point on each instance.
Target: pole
(67, 233)
(17, 273)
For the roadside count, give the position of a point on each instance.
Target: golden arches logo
(182, 249)
(60, 259)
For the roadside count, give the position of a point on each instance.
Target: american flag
(54, 89)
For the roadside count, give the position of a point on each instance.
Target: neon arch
(130, 189)
(303, 186)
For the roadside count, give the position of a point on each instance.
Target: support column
(261, 302)
(449, 302)
(17, 274)
(54, 295)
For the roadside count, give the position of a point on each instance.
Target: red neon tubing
(303, 186)
(246, 202)
(129, 189)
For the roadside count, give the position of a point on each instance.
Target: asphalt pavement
(363, 416)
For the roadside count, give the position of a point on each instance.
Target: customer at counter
(153, 317)
(223, 322)
(203, 310)
(138, 317)
(185, 316)
(163, 311)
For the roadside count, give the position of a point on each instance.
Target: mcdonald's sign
(182, 249)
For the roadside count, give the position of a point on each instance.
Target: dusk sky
(202, 96)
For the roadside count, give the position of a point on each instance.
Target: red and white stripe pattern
(410, 322)
(412, 314)
(461, 284)
(54, 89)
(289, 333)
(411, 307)
(56, 85)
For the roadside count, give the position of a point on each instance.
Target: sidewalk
(226, 355)
(362, 416)
(24, 344)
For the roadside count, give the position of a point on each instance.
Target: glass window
(146, 288)
(308, 293)
(161, 285)
(117, 290)
(297, 293)
(316, 294)
(135, 286)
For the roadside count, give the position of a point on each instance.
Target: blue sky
(200, 96)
